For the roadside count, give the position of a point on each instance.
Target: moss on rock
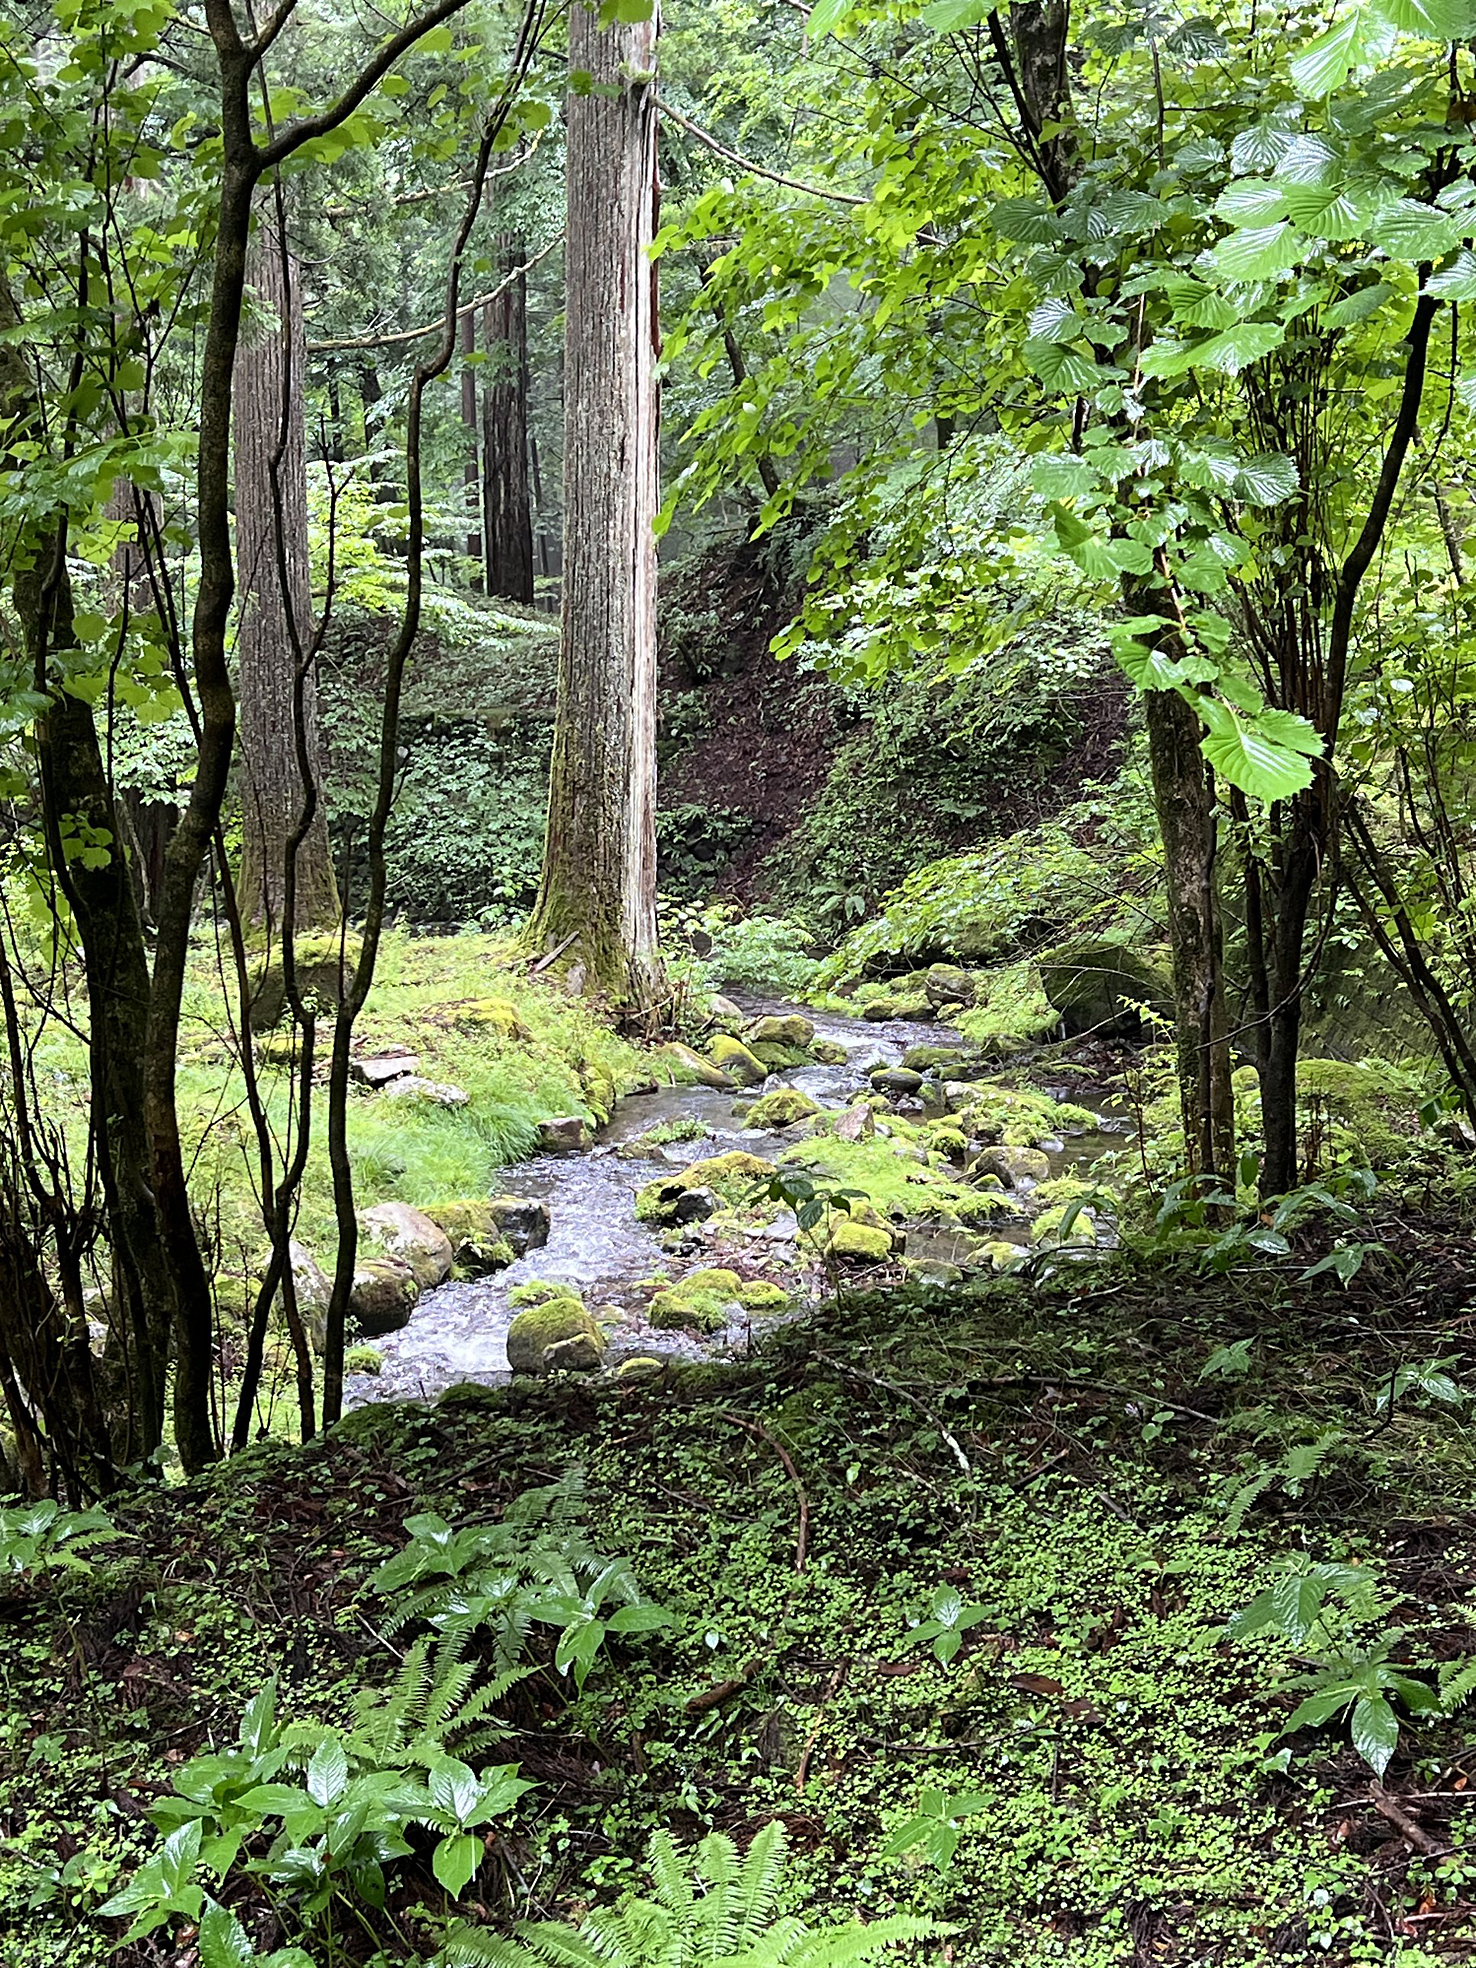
(559, 1334)
(729, 1177)
(732, 1057)
(858, 1243)
(793, 1030)
(781, 1108)
(704, 1301)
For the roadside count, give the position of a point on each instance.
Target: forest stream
(597, 1244)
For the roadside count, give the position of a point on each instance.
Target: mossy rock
(729, 1177)
(499, 1016)
(695, 1069)
(828, 1052)
(702, 1302)
(477, 1243)
(777, 1057)
(851, 1242)
(557, 1335)
(363, 1360)
(932, 1058)
(1000, 1254)
(324, 960)
(1013, 1165)
(792, 1030)
(600, 1092)
(1100, 985)
(950, 1142)
(781, 1108)
(762, 1295)
(1047, 1227)
(948, 984)
(732, 1057)
(541, 1291)
(522, 1220)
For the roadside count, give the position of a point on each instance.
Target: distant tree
(281, 771)
(597, 898)
(507, 525)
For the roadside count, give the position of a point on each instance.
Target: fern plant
(709, 1905)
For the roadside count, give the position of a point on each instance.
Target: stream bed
(596, 1243)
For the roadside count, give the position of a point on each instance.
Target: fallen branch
(719, 1692)
(1413, 1834)
(891, 1387)
(802, 1541)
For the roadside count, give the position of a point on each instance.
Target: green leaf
(1055, 320)
(1432, 20)
(1298, 1598)
(1024, 221)
(1266, 479)
(1323, 64)
(1408, 230)
(223, 1941)
(826, 16)
(1375, 1729)
(1338, 214)
(1456, 282)
(1066, 369)
(1251, 202)
(1259, 253)
(1062, 475)
(1357, 307)
(953, 16)
(1265, 756)
(1238, 347)
(327, 1774)
(455, 1860)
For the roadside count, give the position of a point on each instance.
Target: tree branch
(437, 326)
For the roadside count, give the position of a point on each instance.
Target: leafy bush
(760, 953)
(710, 1906)
(1018, 894)
(42, 1537)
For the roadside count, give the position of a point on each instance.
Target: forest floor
(1054, 1455)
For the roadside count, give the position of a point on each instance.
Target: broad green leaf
(1266, 759)
(1456, 282)
(1258, 253)
(1322, 66)
(454, 1788)
(1298, 1597)
(1433, 20)
(953, 16)
(1199, 306)
(1266, 480)
(1025, 221)
(1261, 148)
(1251, 202)
(1354, 308)
(1055, 320)
(1168, 358)
(223, 1941)
(327, 1774)
(455, 1860)
(1408, 230)
(826, 16)
(1062, 475)
(1339, 214)
(1062, 368)
(1150, 667)
(1375, 1730)
(1238, 347)
(1310, 159)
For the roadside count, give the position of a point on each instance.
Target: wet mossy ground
(1054, 1453)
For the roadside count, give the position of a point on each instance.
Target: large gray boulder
(384, 1295)
(1101, 986)
(409, 1235)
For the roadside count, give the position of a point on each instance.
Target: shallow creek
(458, 1331)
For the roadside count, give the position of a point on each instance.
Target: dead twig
(1413, 1834)
(802, 1541)
(802, 1773)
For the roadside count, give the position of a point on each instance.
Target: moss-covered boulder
(694, 1068)
(410, 1235)
(1102, 986)
(792, 1030)
(556, 1335)
(856, 1243)
(897, 1081)
(781, 1109)
(477, 1243)
(732, 1057)
(324, 963)
(760, 1296)
(777, 1057)
(1013, 1166)
(948, 984)
(828, 1052)
(522, 1221)
(384, 1295)
(704, 1302)
(729, 1177)
(498, 1017)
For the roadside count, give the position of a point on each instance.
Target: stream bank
(599, 1247)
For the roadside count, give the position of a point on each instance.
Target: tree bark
(1184, 803)
(471, 476)
(274, 640)
(507, 523)
(598, 890)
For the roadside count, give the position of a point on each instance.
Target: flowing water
(458, 1331)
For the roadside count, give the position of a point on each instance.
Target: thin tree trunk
(507, 523)
(471, 476)
(1184, 803)
(598, 891)
(277, 606)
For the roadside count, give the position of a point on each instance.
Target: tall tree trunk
(275, 638)
(597, 897)
(507, 522)
(1184, 802)
(471, 476)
